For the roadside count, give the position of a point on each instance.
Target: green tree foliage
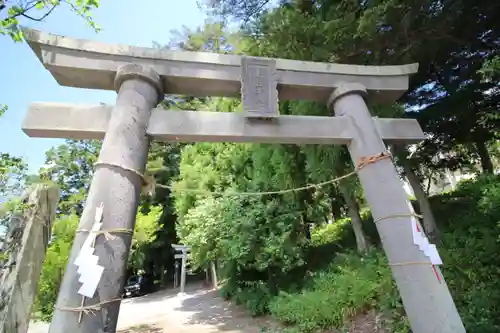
(448, 89)
(163, 162)
(38, 10)
(71, 167)
(241, 10)
(256, 239)
(491, 68)
(13, 174)
(211, 37)
(254, 242)
(13, 171)
(56, 259)
(145, 229)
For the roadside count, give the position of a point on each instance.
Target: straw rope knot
(89, 309)
(364, 161)
(107, 233)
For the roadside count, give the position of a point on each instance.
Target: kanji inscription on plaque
(259, 92)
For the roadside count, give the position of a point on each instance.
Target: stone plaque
(259, 92)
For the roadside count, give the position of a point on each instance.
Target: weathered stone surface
(116, 185)
(56, 120)
(426, 298)
(89, 64)
(259, 88)
(28, 241)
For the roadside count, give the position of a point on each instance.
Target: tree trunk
(429, 222)
(484, 156)
(353, 211)
(304, 198)
(429, 183)
(335, 204)
(162, 276)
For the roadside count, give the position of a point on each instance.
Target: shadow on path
(208, 309)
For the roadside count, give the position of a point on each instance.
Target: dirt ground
(203, 311)
(199, 311)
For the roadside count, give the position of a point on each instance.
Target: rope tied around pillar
(148, 182)
(409, 263)
(412, 263)
(107, 233)
(364, 161)
(398, 215)
(89, 309)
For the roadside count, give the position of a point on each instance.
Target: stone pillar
(427, 300)
(125, 148)
(183, 272)
(176, 273)
(29, 237)
(213, 268)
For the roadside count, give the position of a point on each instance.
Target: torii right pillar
(426, 298)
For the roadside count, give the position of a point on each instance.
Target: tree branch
(75, 9)
(41, 18)
(256, 10)
(30, 5)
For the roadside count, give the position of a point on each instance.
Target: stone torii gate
(184, 249)
(141, 77)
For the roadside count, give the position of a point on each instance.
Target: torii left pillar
(125, 148)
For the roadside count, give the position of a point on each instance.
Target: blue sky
(24, 80)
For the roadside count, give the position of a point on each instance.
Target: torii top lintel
(88, 64)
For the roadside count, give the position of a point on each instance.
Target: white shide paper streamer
(422, 241)
(88, 269)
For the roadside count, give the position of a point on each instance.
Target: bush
(349, 286)
(255, 295)
(340, 232)
(330, 233)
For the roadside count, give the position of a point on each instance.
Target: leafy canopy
(12, 12)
